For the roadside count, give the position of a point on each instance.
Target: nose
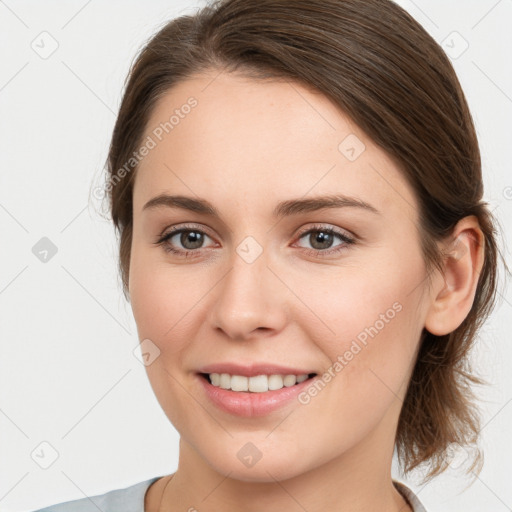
(249, 300)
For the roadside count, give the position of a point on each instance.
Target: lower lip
(248, 404)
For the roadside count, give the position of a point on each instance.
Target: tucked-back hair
(392, 79)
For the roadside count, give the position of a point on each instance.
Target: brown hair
(373, 60)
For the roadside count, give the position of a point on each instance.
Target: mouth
(256, 384)
(253, 396)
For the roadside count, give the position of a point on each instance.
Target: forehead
(229, 137)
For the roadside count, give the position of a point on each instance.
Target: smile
(257, 383)
(259, 399)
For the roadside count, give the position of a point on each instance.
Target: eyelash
(163, 240)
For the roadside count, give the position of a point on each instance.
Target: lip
(247, 404)
(253, 369)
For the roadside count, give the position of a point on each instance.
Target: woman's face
(265, 281)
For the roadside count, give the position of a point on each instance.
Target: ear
(454, 292)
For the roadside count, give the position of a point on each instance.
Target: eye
(190, 238)
(322, 237)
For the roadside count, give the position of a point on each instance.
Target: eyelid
(346, 237)
(302, 232)
(185, 227)
(327, 227)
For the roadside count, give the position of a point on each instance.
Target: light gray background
(68, 374)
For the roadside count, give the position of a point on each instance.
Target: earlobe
(454, 292)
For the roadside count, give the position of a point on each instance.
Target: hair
(388, 75)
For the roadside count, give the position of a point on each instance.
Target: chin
(249, 464)
(263, 472)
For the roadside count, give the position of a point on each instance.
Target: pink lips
(248, 404)
(252, 369)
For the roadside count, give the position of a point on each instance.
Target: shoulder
(128, 499)
(409, 496)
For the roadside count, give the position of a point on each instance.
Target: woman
(297, 188)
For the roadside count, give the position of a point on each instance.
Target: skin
(246, 146)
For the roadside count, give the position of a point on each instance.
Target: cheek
(150, 300)
(160, 297)
(371, 357)
(161, 306)
(370, 326)
(371, 300)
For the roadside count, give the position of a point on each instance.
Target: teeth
(225, 381)
(239, 383)
(275, 382)
(256, 384)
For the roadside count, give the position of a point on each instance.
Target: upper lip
(252, 369)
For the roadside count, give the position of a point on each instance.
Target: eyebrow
(283, 209)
